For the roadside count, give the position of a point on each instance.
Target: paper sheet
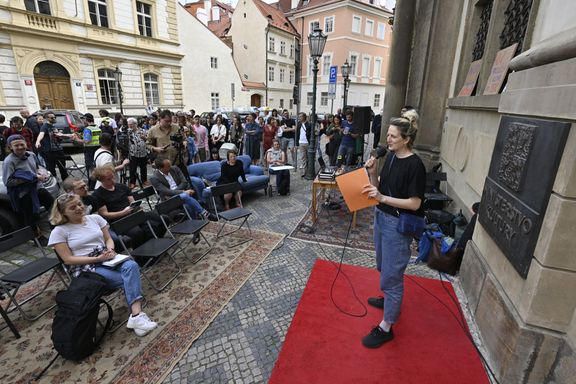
(351, 185)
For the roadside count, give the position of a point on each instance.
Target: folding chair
(11, 282)
(152, 249)
(188, 226)
(145, 194)
(9, 323)
(231, 214)
(75, 167)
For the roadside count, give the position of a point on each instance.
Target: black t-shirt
(50, 142)
(92, 203)
(402, 179)
(290, 123)
(231, 173)
(115, 200)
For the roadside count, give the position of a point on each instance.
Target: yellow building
(64, 54)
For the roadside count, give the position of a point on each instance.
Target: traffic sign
(332, 84)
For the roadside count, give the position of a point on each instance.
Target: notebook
(118, 259)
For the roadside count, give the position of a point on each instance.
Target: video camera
(177, 138)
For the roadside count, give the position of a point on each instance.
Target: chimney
(294, 4)
(215, 13)
(207, 6)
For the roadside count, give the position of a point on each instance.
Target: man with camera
(162, 136)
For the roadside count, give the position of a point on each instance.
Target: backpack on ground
(75, 322)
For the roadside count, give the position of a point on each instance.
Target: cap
(15, 137)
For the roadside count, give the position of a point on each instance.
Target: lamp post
(345, 69)
(316, 43)
(118, 78)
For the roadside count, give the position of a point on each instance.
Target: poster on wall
(471, 78)
(499, 70)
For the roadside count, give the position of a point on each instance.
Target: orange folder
(351, 185)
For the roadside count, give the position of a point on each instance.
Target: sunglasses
(63, 198)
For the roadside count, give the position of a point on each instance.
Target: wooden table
(320, 187)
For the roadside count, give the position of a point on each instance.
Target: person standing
(48, 142)
(269, 134)
(303, 135)
(104, 156)
(288, 130)
(217, 133)
(30, 122)
(400, 189)
(200, 138)
(138, 153)
(2, 138)
(91, 138)
(158, 138)
(252, 141)
(348, 143)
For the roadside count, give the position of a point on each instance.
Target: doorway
(53, 86)
(256, 100)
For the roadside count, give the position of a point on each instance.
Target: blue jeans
(198, 186)
(125, 275)
(345, 153)
(191, 203)
(392, 257)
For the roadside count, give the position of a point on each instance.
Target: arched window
(151, 88)
(108, 86)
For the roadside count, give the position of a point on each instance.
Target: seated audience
(83, 243)
(231, 170)
(276, 157)
(168, 180)
(114, 201)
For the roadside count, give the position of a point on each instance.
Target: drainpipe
(266, 67)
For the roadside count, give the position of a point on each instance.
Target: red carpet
(324, 345)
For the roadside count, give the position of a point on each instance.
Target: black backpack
(74, 328)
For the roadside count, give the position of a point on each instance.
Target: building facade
(63, 54)
(358, 32)
(505, 135)
(264, 50)
(210, 79)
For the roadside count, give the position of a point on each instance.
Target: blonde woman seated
(83, 242)
(276, 157)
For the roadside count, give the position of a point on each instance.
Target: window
(291, 103)
(282, 74)
(291, 77)
(271, 43)
(151, 88)
(356, 20)
(365, 66)
(282, 103)
(270, 73)
(98, 13)
(377, 68)
(38, 6)
(291, 51)
(381, 31)
(353, 61)
(377, 100)
(215, 100)
(108, 86)
(329, 24)
(144, 13)
(283, 48)
(326, 63)
(324, 99)
(314, 25)
(369, 30)
(214, 62)
(309, 98)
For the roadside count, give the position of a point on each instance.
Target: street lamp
(345, 69)
(118, 78)
(316, 42)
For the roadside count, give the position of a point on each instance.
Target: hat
(15, 137)
(89, 116)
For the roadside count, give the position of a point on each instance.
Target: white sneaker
(141, 324)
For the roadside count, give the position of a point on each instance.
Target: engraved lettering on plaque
(515, 154)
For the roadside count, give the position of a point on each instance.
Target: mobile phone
(135, 204)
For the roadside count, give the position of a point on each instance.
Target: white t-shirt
(82, 239)
(302, 139)
(218, 131)
(102, 157)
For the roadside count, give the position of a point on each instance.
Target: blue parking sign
(333, 74)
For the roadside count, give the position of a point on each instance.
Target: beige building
(510, 146)
(358, 31)
(264, 47)
(63, 54)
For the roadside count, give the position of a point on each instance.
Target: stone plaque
(520, 179)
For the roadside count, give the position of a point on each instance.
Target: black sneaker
(377, 337)
(377, 302)
(212, 217)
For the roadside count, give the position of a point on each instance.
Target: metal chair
(75, 167)
(188, 226)
(152, 249)
(238, 213)
(11, 282)
(145, 194)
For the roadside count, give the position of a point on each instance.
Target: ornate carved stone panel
(515, 154)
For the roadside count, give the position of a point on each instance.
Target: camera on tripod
(177, 138)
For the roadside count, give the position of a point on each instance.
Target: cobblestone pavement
(243, 342)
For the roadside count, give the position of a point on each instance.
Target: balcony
(43, 22)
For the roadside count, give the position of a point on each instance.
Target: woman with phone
(83, 243)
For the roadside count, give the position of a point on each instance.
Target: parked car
(67, 121)
(9, 220)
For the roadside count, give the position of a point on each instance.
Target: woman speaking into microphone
(400, 192)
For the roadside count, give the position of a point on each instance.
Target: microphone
(378, 152)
